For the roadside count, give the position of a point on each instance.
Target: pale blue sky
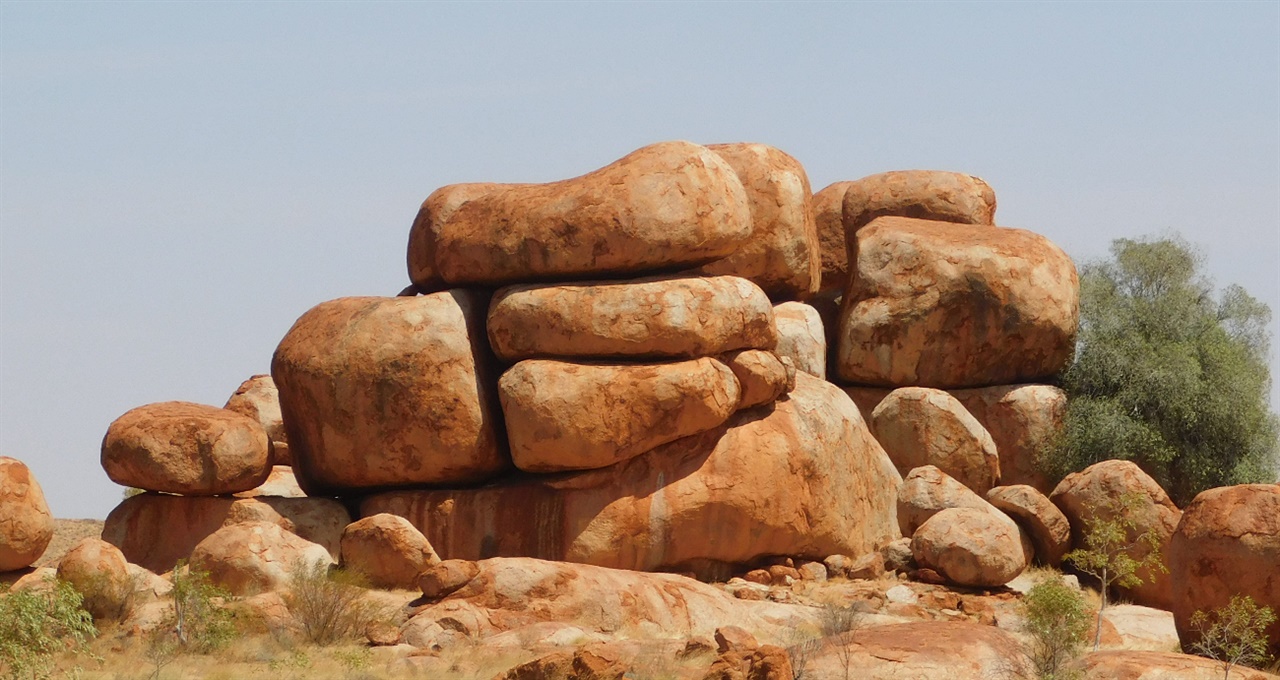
(180, 181)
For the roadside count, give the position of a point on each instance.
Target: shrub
(1057, 622)
(37, 624)
(197, 623)
(329, 605)
(1234, 634)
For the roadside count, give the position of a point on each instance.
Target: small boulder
(27, 526)
(897, 555)
(442, 579)
(812, 571)
(99, 572)
(733, 638)
(184, 448)
(1020, 418)
(388, 550)
(969, 547)
(922, 426)
(923, 194)
(255, 557)
(801, 337)
(761, 376)
(1049, 529)
(868, 567)
(259, 399)
(926, 491)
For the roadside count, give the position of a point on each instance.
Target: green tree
(1168, 374)
(1057, 623)
(1234, 634)
(36, 624)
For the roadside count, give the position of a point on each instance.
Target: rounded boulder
(26, 526)
(922, 426)
(969, 547)
(388, 550)
(100, 573)
(256, 557)
(259, 399)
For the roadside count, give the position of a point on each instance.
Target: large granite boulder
(926, 491)
(1049, 529)
(666, 317)
(1020, 419)
(1097, 492)
(397, 391)
(27, 526)
(191, 449)
(387, 550)
(944, 305)
(663, 206)
(923, 194)
(922, 426)
(259, 399)
(1227, 544)
(100, 573)
(970, 547)
(248, 558)
(921, 650)
(801, 337)
(800, 477)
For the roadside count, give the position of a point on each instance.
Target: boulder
(256, 557)
(567, 416)
(922, 194)
(969, 547)
(921, 650)
(185, 448)
(926, 491)
(100, 573)
(945, 305)
(922, 426)
(867, 399)
(443, 578)
(156, 530)
(1094, 492)
(26, 527)
(828, 216)
(801, 477)
(1146, 665)
(782, 254)
(664, 317)
(259, 399)
(387, 550)
(1130, 626)
(1039, 517)
(801, 337)
(1020, 418)
(390, 392)
(761, 376)
(1227, 544)
(661, 207)
(281, 483)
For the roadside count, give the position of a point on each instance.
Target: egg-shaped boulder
(26, 526)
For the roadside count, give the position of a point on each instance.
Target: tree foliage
(1234, 634)
(38, 623)
(1168, 374)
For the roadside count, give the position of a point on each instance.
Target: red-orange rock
(255, 557)
(1020, 418)
(801, 337)
(281, 483)
(782, 255)
(1043, 521)
(99, 572)
(926, 491)
(568, 416)
(803, 477)
(922, 194)
(26, 527)
(828, 215)
(259, 399)
(943, 305)
(191, 449)
(155, 530)
(922, 426)
(443, 578)
(1091, 492)
(969, 547)
(660, 207)
(390, 392)
(1147, 665)
(922, 650)
(761, 376)
(663, 317)
(387, 550)
(1227, 544)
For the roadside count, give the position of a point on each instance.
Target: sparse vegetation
(1057, 620)
(329, 606)
(196, 624)
(1234, 635)
(36, 625)
(1111, 536)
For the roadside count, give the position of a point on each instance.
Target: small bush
(1234, 634)
(36, 625)
(1058, 624)
(329, 605)
(197, 623)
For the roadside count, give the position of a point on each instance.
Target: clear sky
(180, 181)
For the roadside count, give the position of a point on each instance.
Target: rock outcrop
(259, 399)
(1148, 665)
(921, 426)
(801, 337)
(1039, 517)
(969, 547)
(926, 491)
(921, 650)
(26, 527)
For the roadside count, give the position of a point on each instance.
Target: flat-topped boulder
(27, 526)
(661, 207)
(936, 304)
(801, 337)
(654, 318)
(922, 426)
(186, 448)
(381, 392)
(922, 194)
(800, 477)
(782, 255)
(259, 399)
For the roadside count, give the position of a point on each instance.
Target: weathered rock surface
(802, 477)
(191, 449)
(259, 399)
(921, 650)
(828, 216)
(1228, 543)
(390, 392)
(1143, 665)
(281, 483)
(761, 376)
(388, 550)
(946, 305)
(969, 547)
(99, 572)
(664, 317)
(155, 530)
(26, 527)
(568, 416)
(255, 557)
(663, 206)
(921, 194)
(922, 426)
(867, 399)
(442, 579)
(926, 491)
(1091, 493)
(1130, 626)
(782, 254)
(1019, 418)
(801, 337)
(1043, 521)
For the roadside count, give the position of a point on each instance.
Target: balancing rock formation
(629, 369)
